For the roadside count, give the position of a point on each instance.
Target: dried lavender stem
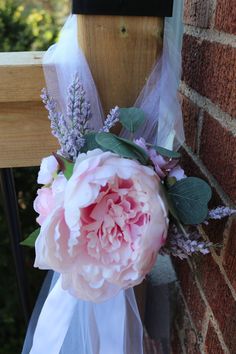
(70, 130)
(111, 120)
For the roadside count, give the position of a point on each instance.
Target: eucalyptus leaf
(143, 156)
(169, 202)
(122, 147)
(131, 118)
(190, 197)
(30, 240)
(167, 153)
(90, 142)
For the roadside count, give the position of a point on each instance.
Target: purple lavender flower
(111, 120)
(70, 130)
(58, 124)
(184, 245)
(221, 212)
(78, 109)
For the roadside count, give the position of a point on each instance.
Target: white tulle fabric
(67, 325)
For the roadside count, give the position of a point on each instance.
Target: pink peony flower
(43, 204)
(52, 249)
(48, 168)
(49, 197)
(107, 234)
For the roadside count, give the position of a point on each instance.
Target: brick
(209, 68)
(229, 261)
(219, 297)
(225, 18)
(218, 153)
(215, 228)
(189, 166)
(212, 343)
(190, 118)
(196, 13)
(215, 232)
(191, 293)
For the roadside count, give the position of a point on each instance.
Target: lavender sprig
(58, 123)
(111, 120)
(221, 212)
(78, 109)
(70, 130)
(184, 245)
(78, 116)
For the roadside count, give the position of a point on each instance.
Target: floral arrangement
(109, 205)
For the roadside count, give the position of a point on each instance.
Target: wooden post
(121, 51)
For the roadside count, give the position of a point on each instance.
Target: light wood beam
(25, 135)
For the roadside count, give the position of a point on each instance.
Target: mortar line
(199, 130)
(226, 236)
(199, 337)
(218, 259)
(213, 182)
(205, 326)
(213, 319)
(212, 109)
(211, 35)
(227, 281)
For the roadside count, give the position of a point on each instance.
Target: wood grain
(25, 135)
(21, 76)
(121, 52)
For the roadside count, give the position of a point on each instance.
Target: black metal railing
(13, 221)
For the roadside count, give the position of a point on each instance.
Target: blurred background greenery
(24, 25)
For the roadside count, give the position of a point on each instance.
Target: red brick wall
(206, 315)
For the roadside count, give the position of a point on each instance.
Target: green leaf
(169, 201)
(30, 240)
(190, 197)
(65, 165)
(131, 118)
(68, 168)
(90, 142)
(122, 147)
(143, 156)
(167, 153)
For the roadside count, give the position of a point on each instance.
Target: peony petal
(48, 168)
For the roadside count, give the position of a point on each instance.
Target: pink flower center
(112, 226)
